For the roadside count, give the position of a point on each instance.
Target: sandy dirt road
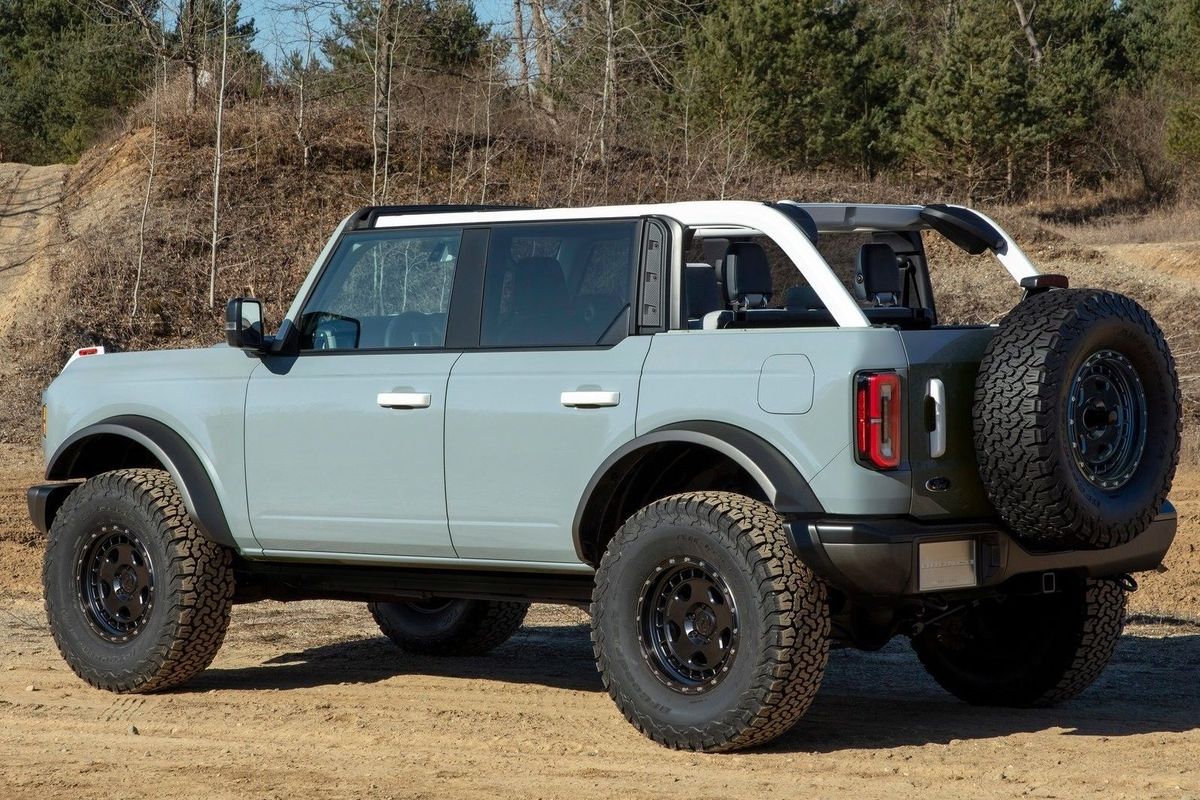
(308, 700)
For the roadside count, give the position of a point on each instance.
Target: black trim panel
(878, 556)
(782, 484)
(73, 460)
(263, 580)
(44, 500)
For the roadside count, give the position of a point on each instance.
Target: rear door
(344, 441)
(551, 391)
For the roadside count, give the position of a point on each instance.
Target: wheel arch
(133, 441)
(712, 452)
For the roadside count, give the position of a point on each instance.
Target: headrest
(746, 275)
(714, 250)
(803, 298)
(877, 278)
(703, 294)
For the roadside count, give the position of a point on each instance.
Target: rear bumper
(884, 556)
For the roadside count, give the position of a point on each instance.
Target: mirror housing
(244, 324)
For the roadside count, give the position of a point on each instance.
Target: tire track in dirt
(29, 202)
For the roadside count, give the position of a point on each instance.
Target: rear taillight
(877, 417)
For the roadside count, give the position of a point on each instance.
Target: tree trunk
(218, 156)
(522, 50)
(1025, 17)
(610, 75)
(544, 49)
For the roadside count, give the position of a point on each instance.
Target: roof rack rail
(367, 216)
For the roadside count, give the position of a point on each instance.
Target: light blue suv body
(494, 391)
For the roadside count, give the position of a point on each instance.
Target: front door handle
(590, 399)
(404, 399)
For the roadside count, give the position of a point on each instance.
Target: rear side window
(383, 290)
(559, 285)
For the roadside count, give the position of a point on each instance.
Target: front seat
(538, 312)
(703, 291)
(877, 278)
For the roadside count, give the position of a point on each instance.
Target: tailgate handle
(937, 436)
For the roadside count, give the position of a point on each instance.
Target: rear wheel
(449, 627)
(137, 598)
(1034, 650)
(709, 633)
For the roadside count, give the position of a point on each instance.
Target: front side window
(383, 290)
(559, 285)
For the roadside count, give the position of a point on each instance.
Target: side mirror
(244, 323)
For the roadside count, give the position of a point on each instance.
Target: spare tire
(1077, 419)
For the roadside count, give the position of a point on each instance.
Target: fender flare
(781, 482)
(174, 454)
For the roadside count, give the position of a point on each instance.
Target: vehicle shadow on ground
(558, 657)
(867, 701)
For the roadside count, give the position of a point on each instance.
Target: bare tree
(522, 46)
(153, 164)
(218, 155)
(543, 43)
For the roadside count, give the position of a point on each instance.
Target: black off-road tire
(1026, 650)
(187, 604)
(445, 627)
(1027, 425)
(782, 623)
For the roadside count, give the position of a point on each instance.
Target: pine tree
(64, 76)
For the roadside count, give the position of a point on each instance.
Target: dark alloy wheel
(137, 597)
(1077, 419)
(709, 633)
(1106, 417)
(445, 626)
(689, 625)
(116, 583)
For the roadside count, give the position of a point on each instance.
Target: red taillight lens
(877, 406)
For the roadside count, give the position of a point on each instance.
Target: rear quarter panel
(200, 394)
(719, 376)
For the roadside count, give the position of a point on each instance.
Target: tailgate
(945, 486)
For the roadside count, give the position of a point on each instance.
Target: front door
(344, 447)
(551, 391)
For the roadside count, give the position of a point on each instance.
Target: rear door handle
(404, 399)
(590, 399)
(937, 436)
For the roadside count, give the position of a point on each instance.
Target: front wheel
(709, 633)
(1026, 650)
(137, 598)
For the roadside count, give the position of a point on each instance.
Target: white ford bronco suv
(738, 432)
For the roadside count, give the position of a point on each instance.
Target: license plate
(947, 565)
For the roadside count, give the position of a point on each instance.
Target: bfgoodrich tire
(1077, 419)
(709, 633)
(1034, 650)
(446, 627)
(138, 600)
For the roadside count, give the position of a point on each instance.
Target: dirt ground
(308, 700)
